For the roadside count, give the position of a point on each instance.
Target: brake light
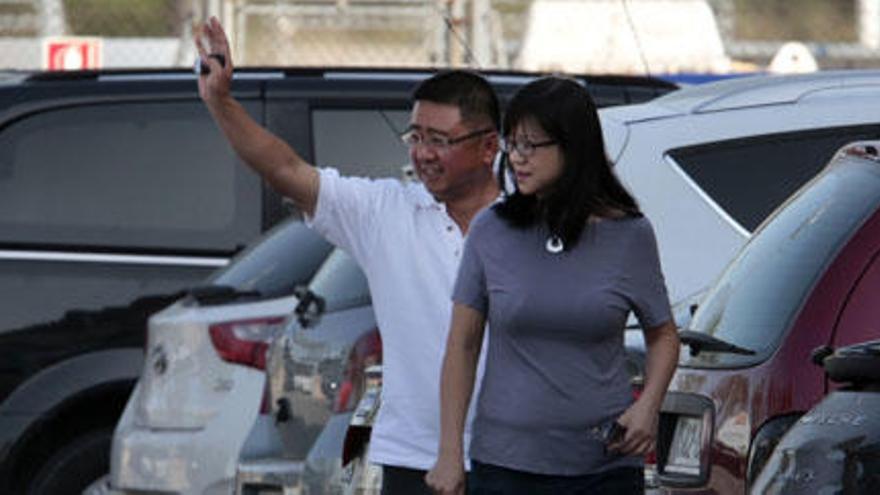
(366, 352)
(245, 342)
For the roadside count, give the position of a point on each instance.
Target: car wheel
(75, 466)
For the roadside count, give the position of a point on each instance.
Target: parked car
(158, 201)
(708, 163)
(833, 448)
(809, 277)
(202, 386)
(317, 376)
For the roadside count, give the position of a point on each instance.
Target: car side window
(361, 142)
(749, 178)
(341, 282)
(276, 263)
(132, 175)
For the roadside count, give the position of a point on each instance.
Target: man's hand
(211, 41)
(447, 477)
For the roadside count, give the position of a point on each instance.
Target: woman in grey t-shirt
(555, 269)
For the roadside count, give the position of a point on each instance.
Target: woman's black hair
(567, 114)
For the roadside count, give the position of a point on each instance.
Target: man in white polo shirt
(407, 238)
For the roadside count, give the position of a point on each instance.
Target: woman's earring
(554, 245)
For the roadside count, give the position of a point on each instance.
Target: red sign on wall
(71, 53)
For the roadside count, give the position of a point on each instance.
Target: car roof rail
(763, 90)
(379, 73)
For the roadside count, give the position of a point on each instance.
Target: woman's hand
(642, 417)
(446, 477)
(213, 46)
(640, 421)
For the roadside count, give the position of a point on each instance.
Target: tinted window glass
(749, 178)
(286, 256)
(757, 297)
(341, 282)
(50, 296)
(151, 175)
(361, 142)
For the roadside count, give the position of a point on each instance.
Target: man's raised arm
(266, 153)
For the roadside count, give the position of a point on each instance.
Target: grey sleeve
(646, 286)
(470, 285)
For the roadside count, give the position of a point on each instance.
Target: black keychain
(202, 67)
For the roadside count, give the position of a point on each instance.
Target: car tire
(75, 466)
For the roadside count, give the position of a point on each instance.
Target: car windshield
(286, 256)
(755, 300)
(340, 282)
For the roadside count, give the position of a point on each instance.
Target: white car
(197, 405)
(708, 163)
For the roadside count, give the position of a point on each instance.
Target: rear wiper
(211, 295)
(699, 341)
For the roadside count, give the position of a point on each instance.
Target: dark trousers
(486, 479)
(404, 481)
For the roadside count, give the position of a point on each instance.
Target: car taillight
(367, 351)
(245, 342)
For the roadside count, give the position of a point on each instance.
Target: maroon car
(808, 280)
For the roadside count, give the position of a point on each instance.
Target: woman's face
(535, 157)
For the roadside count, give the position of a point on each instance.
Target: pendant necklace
(554, 244)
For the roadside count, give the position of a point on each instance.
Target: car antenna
(635, 33)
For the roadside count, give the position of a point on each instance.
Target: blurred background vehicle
(710, 162)
(317, 376)
(203, 383)
(834, 446)
(807, 278)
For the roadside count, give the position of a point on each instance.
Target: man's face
(449, 166)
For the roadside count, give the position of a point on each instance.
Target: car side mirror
(819, 354)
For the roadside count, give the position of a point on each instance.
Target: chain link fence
(620, 36)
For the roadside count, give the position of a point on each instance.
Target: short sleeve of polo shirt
(470, 284)
(348, 211)
(644, 283)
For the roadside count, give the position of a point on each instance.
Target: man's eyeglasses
(524, 148)
(438, 142)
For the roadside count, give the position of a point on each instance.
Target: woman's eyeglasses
(524, 148)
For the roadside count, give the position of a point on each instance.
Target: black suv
(117, 192)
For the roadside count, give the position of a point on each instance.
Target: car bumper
(171, 462)
(269, 476)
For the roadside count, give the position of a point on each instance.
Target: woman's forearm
(457, 378)
(662, 358)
